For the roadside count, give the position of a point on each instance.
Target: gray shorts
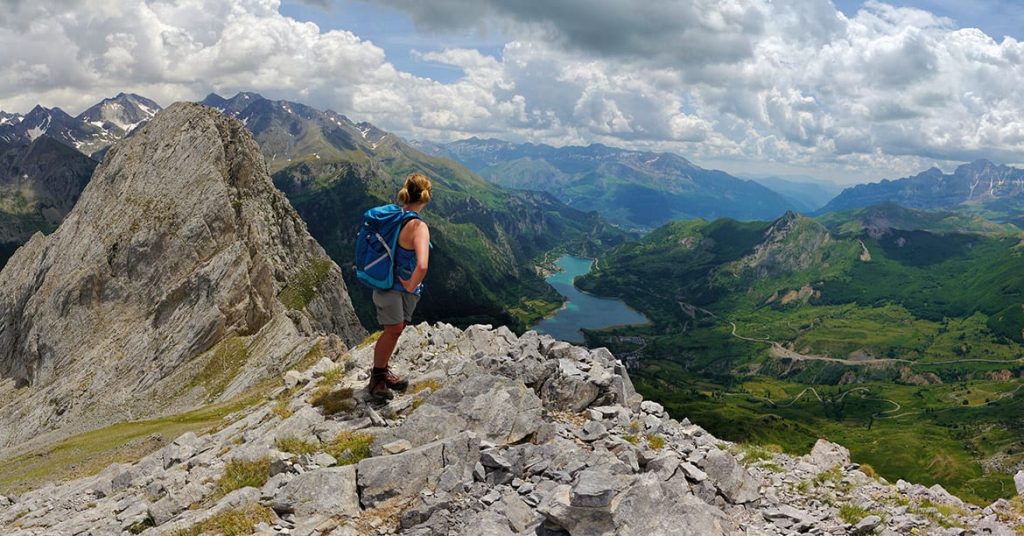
(393, 306)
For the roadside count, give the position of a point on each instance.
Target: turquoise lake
(582, 310)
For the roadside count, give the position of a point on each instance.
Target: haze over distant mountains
(631, 188)
(980, 185)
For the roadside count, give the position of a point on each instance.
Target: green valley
(895, 332)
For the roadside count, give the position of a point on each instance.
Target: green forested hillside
(884, 328)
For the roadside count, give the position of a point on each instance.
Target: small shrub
(281, 409)
(242, 473)
(295, 445)
(632, 438)
(834, 475)
(332, 402)
(237, 522)
(350, 447)
(869, 471)
(851, 513)
(655, 441)
(635, 426)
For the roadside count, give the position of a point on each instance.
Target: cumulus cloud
(792, 82)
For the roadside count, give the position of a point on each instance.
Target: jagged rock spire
(179, 245)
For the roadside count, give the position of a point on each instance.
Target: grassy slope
(88, 453)
(935, 299)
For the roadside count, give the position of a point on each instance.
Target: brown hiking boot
(390, 379)
(378, 386)
(382, 381)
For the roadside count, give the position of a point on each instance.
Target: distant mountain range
(993, 189)
(805, 194)
(90, 132)
(631, 188)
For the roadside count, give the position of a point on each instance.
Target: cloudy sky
(850, 90)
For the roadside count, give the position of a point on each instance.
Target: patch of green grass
(332, 402)
(370, 339)
(140, 526)
(332, 376)
(750, 453)
(227, 359)
(420, 386)
(281, 409)
(236, 522)
(298, 446)
(833, 475)
(631, 438)
(242, 473)
(312, 357)
(303, 286)
(88, 453)
(655, 441)
(851, 513)
(350, 447)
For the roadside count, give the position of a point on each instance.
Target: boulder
(1018, 480)
(650, 506)
(497, 409)
(731, 478)
(594, 488)
(441, 465)
(567, 391)
(330, 491)
(825, 455)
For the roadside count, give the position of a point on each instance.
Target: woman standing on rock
(395, 306)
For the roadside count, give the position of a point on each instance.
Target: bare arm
(421, 245)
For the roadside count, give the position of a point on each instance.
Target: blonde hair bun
(416, 189)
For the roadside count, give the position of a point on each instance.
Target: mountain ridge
(978, 185)
(633, 188)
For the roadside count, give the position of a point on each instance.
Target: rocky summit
(497, 435)
(181, 276)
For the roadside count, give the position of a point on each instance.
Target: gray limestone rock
(826, 455)
(1018, 480)
(444, 463)
(730, 477)
(330, 491)
(568, 391)
(495, 408)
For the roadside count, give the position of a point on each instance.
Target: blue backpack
(376, 243)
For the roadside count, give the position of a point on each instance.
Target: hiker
(396, 304)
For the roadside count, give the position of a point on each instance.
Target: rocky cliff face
(164, 286)
(498, 435)
(977, 183)
(792, 243)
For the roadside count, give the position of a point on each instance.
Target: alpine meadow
(453, 267)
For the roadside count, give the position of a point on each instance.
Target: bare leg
(386, 344)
